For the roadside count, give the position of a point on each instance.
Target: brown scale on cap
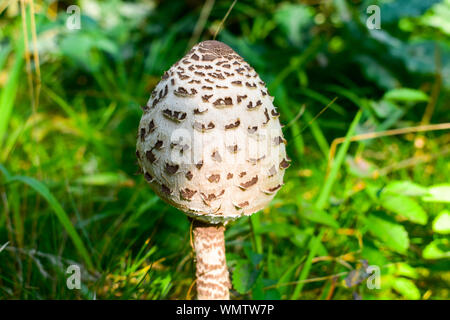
(166, 190)
(158, 145)
(249, 183)
(150, 156)
(151, 126)
(256, 160)
(199, 165)
(148, 177)
(203, 127)
(233, 125)
(198, 111)
(272, 171)
(171, 169)
(187, 193)
(142, 134)
(216, 156)
(173, 115)
(284, 164)
(273, 189)
(278, 140)
(233, 148)
(214, 178)
(212, 94)
(243, 204)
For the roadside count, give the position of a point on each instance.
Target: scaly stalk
(213, 281)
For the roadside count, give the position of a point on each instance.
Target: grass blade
(314, 245)
(8, 94)
(62, 216)
(331, 179)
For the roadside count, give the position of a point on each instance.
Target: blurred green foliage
(67, 150)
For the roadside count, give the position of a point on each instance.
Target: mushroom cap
(209, 141)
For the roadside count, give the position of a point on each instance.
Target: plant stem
(213, 282)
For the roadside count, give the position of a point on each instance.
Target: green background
(69, 111)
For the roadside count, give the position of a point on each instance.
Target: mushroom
(210, 144)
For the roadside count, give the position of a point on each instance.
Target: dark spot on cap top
(216, 47)
(209, 57)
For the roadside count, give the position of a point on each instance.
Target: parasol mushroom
(210, 144)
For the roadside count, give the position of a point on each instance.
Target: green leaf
(441, 223)
(437, 17)
(392, 11)
(244, 276)
(405, 270)
(437, 249)
(406, 288)
(406, 188)
(254, 257)
(392, 234)
(405, 207)
(406, 95)
(319, 216)
(438, 193)
(272, 294)
(62, 216)
(402, 269)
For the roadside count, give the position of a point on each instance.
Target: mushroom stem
(213, 282)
